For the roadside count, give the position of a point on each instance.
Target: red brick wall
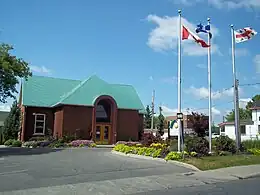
(77, 119)
(30, 119)
(127, 125)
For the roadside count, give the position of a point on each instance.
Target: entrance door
(103, 134)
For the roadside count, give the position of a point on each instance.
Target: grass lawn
(215, 162)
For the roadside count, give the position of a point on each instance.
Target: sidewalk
(229, 173)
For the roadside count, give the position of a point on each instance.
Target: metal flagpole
(235, 90)
(152, 110)
(209, 88)
(179, 81)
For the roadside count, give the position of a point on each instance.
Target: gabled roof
(256, 105)
(48, 92)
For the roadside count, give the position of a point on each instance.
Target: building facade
(89, 109)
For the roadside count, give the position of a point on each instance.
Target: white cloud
(257, 63)
(172, 112)
(40, 69)
(5, 107)
(202, 66)
(202, 92)
(220, 4)
(240, 52)
(169, 80)
(165, 36)
(243, 102)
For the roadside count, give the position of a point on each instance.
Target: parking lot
(22, 168)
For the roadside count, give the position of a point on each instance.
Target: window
(243, 129)
(39, 124)
(259, 129)
(259, 118)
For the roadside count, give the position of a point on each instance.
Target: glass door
(106, 131)
(98, 134)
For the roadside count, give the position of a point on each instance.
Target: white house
(249, 129)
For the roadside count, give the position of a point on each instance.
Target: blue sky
(135, 42)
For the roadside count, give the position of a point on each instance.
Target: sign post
(180, 117)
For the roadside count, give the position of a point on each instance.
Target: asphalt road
(42, 171)
(238, 187)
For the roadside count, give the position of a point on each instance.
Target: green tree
(160, 125)
(250, 104)
(244, 114)
(11, 69)
(148, 117)
(12, 122)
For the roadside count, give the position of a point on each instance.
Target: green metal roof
(49, 92)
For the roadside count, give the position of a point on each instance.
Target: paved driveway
(22, 169)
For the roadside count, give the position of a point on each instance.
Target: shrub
(30, 144)
(158, 145)
(173, 156)
(93, 145)
(197, 144)
(77, 143)
(149, 138)
(57, 144)
(17, 143)
(254, 151)
(193, 154)
(224, 143)
(9, 142)
(129, 143)
(37, 138)
(44, 143)
(248, 144)
(157, 153)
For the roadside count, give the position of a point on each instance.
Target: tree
(200, 124)
(148, 117)
(244, 114)
(160, 125)
(12, 122)
(11, 69)
(250, 104)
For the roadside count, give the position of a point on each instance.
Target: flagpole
(209, 88)
(179, 81)
(235, 90)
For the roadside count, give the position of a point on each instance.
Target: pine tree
(148, 117)
(12, 123)
(161, 124)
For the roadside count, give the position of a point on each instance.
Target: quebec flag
(204, 29)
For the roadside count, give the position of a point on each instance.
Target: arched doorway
(104, 119)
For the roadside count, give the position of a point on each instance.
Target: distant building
(250, 129)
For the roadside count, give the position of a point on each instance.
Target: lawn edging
(178, 163)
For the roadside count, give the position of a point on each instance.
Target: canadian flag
(187, 34)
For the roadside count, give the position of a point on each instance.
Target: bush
(249, 144)
(17, 143)
(129, 143)
(37, 138)
(9, 142)
(30, 144)
(197, 144)
(173, 156)
(57, 144)
(224, 143)
(77, 143)
(93, 145)
(254, 151)
(149, 138)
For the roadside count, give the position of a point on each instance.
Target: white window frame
(35, 121)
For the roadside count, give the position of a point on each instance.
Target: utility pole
(152, 109)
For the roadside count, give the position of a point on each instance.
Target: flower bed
(82, 143)
(155, 150)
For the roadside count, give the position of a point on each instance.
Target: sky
(135, 42)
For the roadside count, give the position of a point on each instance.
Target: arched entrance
(104, 120)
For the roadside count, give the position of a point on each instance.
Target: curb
(253, 175)
(158, 159)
